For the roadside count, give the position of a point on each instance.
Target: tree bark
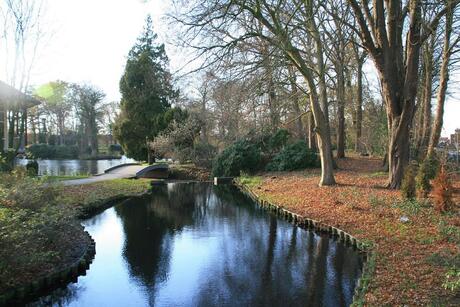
(318, 103)
(425, 129)
(444, 79)
(311, 133)
(340, 112)
(397, 66)
(359, 104)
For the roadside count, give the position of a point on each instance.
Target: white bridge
(125, 171)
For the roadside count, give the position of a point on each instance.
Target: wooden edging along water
(52, 281)
(368, 252)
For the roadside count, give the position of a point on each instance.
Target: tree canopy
(147, 92)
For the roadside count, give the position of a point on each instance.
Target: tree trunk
(397, 65)
(324, 144)
(204, 131)
(444, 79)
(311, 133)
(61, 130)
(295, 104)
(426, 106)
(274, 116)
(359, 106)
(5, 129)
(320, 110)
(340, 112)
(398, 157)
(318, 103)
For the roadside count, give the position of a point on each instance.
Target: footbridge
(125, 171)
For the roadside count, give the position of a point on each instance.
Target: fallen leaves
(361, 205)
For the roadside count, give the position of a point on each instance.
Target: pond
(194, 244)
(75, 167)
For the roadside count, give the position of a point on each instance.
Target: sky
(90, 39)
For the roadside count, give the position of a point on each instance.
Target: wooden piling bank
(43, 285)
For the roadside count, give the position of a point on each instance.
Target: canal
(194, 244)
(75, 167)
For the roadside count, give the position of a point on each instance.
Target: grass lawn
(62, 178)
(413, 257)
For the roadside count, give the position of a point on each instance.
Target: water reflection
(75, 167)
(199, 245)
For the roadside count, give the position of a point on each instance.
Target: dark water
(74, 167)
(192, 244)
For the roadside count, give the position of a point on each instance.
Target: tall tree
(146, 91)
(57, 104)
(284, 25)
(382, 29)
(88, 103)
(449, 47)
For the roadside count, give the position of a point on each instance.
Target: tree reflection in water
(199, 245)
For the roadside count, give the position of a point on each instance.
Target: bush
(19, 191)
(422, 180)
(292, 157)
(32, 168)
(408, 182)
(7, 160)
(178, 141)
(44, 151)
(203, 154)
(278, 140)
(115, 148)
(241, 156)
(442, 191)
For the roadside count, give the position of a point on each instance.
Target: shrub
(44, 151)
(442, 191)
(7, 160)
(115, 148)
(203, 154)
(178, 142)
(408, 182)
(32, 168)
(278, 140)
(292, 157)
(422, 180)
(241, 156)
(22, 192)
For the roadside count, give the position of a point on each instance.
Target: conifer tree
(147, 92)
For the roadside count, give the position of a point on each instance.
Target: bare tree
(382, 29)
(338, 38)
(284, 25)
(450, 46)
(22, 36)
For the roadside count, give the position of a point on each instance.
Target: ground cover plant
(39, 228)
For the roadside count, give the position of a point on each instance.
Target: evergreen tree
(146, 91)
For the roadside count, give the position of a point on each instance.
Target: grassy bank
(39, 228)
(62, 178)
(416, 260)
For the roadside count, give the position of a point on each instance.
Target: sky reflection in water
(194, 244)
